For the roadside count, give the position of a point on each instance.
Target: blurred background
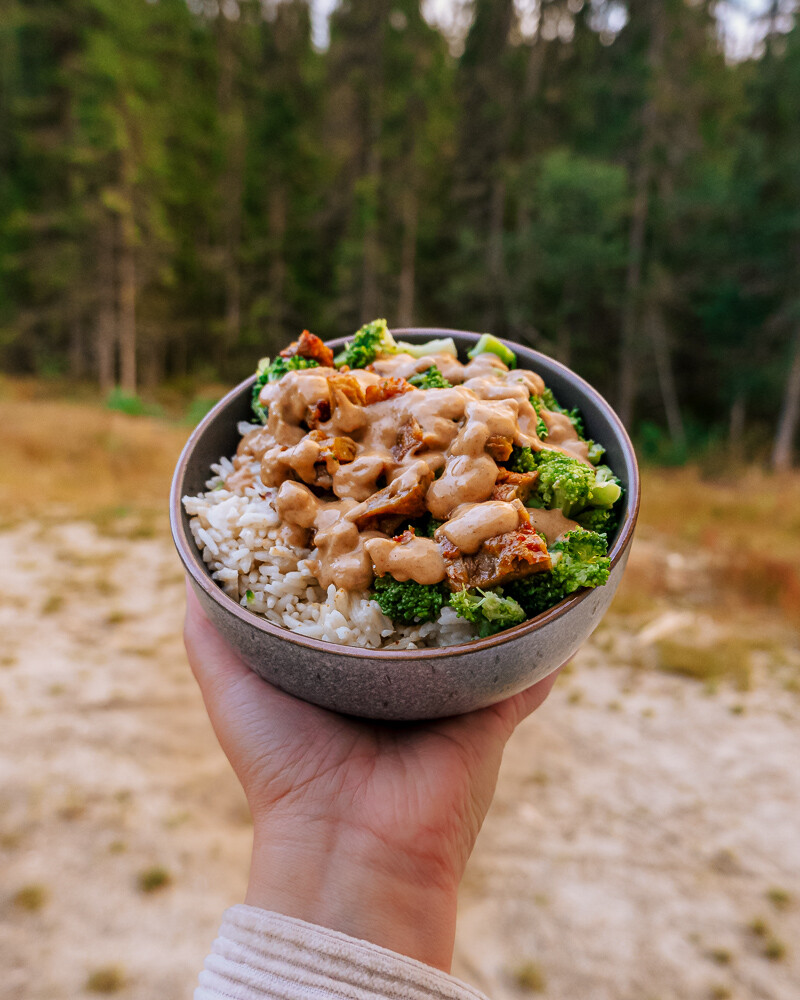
(187, 184)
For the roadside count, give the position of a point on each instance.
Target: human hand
(363, 827)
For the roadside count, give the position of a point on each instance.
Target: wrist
(351, 882)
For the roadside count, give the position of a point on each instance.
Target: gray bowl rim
(190, 555)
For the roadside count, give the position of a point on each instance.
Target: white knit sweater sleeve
(260, 954)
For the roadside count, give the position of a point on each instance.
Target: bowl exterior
(417, 684)
(426, 688)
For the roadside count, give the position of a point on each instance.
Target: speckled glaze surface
(408, 684)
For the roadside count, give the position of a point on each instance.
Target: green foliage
(198, 408)
(408, 601)
(431, 378)
(124, 402)
(488, 610)
(182, 188)
(370, 341)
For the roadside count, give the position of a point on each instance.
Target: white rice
(249, 553)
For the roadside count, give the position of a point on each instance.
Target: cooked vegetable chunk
(408, 601)
(489, 344)
(488, 610)
(431, 378)
(579, 560)
(372, 340)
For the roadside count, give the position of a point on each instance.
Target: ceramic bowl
(409, 684)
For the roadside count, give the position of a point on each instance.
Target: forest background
(186, 184)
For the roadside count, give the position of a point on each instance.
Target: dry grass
(82, 459)
(749, 525)
(108, 979)
(31, 897)
(728, 659)
(774, 950)
(780, 898)
(530, 978)
(153, 879)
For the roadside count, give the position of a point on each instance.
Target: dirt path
(639, 825)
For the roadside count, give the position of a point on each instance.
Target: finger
(519, 706)
(232, 692)
(212, 661)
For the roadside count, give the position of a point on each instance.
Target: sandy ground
(641, 826)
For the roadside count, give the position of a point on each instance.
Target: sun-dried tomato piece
(348, 385)
(318, 414)
(499, 447)
(388, 508)
(308, 345)
(405, 536)
(513, 485)
(409, 438)
(334, 451)
(386, 389)
(499, 560)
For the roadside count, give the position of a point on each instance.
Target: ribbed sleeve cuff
(261, 954)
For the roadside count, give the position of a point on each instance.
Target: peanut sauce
(413, 452)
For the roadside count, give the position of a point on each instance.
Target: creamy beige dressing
(471, 524)
(418, 559)
(551, 524)
(349, 475)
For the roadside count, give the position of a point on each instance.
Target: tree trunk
(76, 353)
(371, 246)
(105, 338)
(628, 357)
(666, 378)
(736, 425)
(790, 413)
(277, 268)
(408, 257)
(231, 114)
(564, 343)
(495, 261)
(126, 322)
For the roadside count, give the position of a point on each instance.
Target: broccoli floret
(603, 520)
(607, 489)
(487, 609)
(444, 345)
(431, 378)
(536, 593)
(522, 460)
(268, 371)
(408, 601)
(596, 451)
(564, 482)
(280, 366)
(430, 526)
(372, 340)
(488, 344)
(571, 485)
(579, 560)
(541, 426)
(262, 377)
(551, 403)
(422, 527)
